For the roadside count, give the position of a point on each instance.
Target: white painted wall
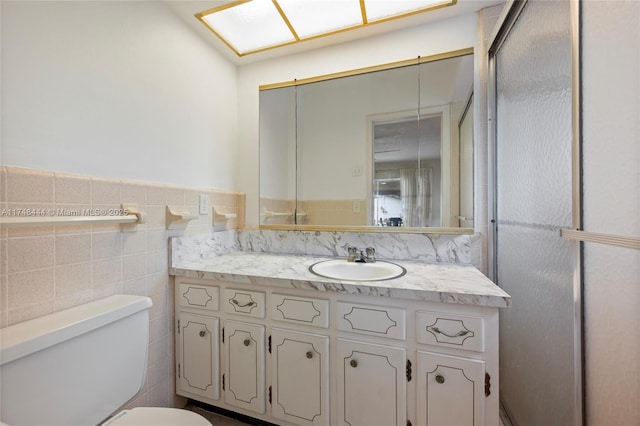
(611, 149)
(115, 89)
(429, 39)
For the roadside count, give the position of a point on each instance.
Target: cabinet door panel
(371, 384)
(300, 377)
(198, 342)
(450, 390)
(244, 367)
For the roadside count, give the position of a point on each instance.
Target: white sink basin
(340, 269)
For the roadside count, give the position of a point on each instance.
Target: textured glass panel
(536, 332)
(611, 117)
(612, 336)
(611, 197)
(534, 118)
(535, 265)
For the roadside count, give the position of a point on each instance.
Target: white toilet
(79, 366)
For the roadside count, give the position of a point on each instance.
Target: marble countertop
(433, 282)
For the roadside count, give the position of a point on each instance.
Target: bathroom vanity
(261, 335)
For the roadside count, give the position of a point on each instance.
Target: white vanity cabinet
(371, 384)
(197, 341)
(300, 377)
(450, 390)
(244, 373)
(311, 357)
(198, 355)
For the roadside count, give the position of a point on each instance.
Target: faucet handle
(371, 254)
(352, 253)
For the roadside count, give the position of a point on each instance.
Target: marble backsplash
(427, 248)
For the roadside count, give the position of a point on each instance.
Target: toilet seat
(157, 416)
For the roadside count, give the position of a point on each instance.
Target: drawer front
(242, 302)
(373, 320)
(299, 310)
(450, 331)
(199, 296)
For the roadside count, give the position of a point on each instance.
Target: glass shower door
(533, 194)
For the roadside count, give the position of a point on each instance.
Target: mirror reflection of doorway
(387, 202)
(407, 169)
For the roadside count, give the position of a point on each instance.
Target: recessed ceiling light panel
(384, 9)
(250, 26)
(309, 18)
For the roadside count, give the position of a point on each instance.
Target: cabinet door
(300, 376)
(244, 365)
(371, 384)
(198, 355)
(450, 390)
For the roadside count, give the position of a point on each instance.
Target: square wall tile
(106, 245)
(133, 193)
(175, 196)
(72, 279)
(29, 186)
(157, 239)
(157, 262)
(29, 253)
(134, 266)
(157, 283)
(28, 288)
(105, 192)
(156, 216)
(72, 189)
(134, 242)
(73, 248)
(156, 195)
(136, 286)
(106, 273)
(192, 198)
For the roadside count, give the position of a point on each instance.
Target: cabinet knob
(203, 333)
(309, 354)
(246, 342)
(354, 363)
(439, 379)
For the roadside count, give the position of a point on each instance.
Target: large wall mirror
(389, 148)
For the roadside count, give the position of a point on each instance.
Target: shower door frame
(507, 19)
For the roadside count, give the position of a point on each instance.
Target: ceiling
(186, 9)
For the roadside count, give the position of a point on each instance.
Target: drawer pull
(458, 334)
(235, 302)
(203, 333)
(309, 354)
(353, 363)
(246, 342)
(439, 379)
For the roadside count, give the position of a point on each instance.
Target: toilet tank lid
(31, 336)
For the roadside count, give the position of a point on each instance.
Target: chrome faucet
(361, 256)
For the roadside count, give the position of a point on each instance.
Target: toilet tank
(74, 367)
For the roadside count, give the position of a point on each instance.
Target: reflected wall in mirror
(386, 148)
